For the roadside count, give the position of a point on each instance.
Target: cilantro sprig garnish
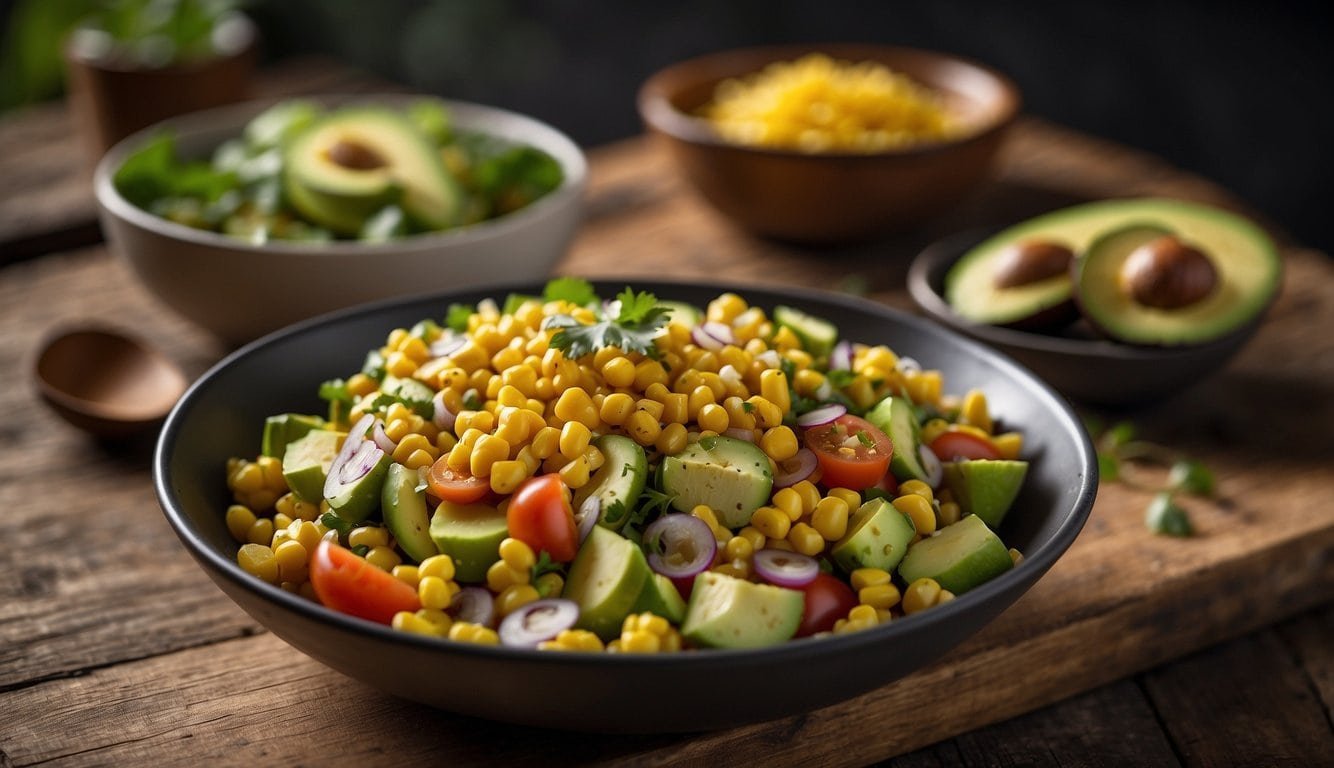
(1119, 449)
(631, 323)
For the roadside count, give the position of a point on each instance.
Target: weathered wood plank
(1244, 703)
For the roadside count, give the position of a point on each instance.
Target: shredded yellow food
(819, 104)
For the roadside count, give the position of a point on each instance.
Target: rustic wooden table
(1134, 650)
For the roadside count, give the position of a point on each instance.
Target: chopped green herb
(1191, 477)
(575, 290)
(456, 317)
(1165, 517)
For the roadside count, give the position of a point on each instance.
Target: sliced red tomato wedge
(539, 515)
(952, 446)
(448, 484)
(828, 599)
(348, 584)
(853, 452)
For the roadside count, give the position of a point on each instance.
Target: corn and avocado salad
(574, 472)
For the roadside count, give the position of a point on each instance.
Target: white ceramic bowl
(240, 291)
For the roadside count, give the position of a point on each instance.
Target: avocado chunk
(680, 312)
(958, 557)
(606, 580)
(878, 536)
(306, 463)
(1181, 274)
(403, 504)
(727, 612)
(661, 597)
(1018, 282)
(618, 483)
(343, 169)
(283, 429)
(470, 534)
(729, 475)
(417, 395)
(894, 416)
(817, 334)
(985, 487)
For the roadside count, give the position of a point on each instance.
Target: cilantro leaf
(639, 308)
(575, 290)
(1192, 477)
(1165, 517)
(456, 317)
(634, 328)
(651, 504)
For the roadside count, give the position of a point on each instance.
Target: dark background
(1240, 92)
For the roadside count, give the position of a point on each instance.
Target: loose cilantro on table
(633, 327)
(1118, 450)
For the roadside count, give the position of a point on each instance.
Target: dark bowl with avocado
(1074, 317)
(223, 413)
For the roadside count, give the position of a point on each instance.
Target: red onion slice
(356, 437)
(822, 415)
(703, 340)
(448, 345)
(679, 545)
(721, 332)
(381, 439)
(931, 463)
(587, 516)
(785, 569)
(840, 357)
(442, 416)
(795, 469)
(540, 620)
(741, 434)
(474, 605)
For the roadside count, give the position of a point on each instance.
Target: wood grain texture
(116, 648)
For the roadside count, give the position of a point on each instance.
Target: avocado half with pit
(345, 168)
(1181, 274)
(1017, 282)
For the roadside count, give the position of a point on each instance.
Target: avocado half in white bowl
(351, 156)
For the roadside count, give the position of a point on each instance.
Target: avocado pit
(354, 155)
(1166, 273)
(1031, 261)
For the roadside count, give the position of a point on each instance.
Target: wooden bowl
(831, 197)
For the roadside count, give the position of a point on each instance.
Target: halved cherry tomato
(459, 487)
(828, 599)
(853, 452)
(540, 516)
(950, 446)
(348, 584)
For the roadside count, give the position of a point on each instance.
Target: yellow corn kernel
(407, 621)
(292, 559)
(517, 554)
(435, 592)
(698, 397)
(488, 450)
(774, 388)
(807, 382)
(672, 439)
(306, 532)
(546, 443)
(754, 535)
(919, 510)
(675, 408)
(950, 513)
(932, 429)
(261, 531)
(368, 536)
(572, 404)
(239, 521)
(920, 595)
(713, 417)
(1016, 556)
(440, 566)
(574, 437)
(737, 413)
(766, 414)
(508, 475)
(789, 501)
(779, 443)
(500, 575)
(258, 561)
(408, 574)
(916, 487)
(805, 539)
(862, 578)
(863, 613)
(643, 427)
(1008, 444)
(360, 385)
(725, 308)
(849, 497)
(616, 408)
(384, 558)
(572, 640)
(974, 411)
(467, 632)
(830, 518)
(861, 392)
(515, 596)
(810, 496)
(549, 584)
(619, 372)
(576, 472)
(923, 386)
(738, 548)
(280, 521)
(879, 596)
(772, 522)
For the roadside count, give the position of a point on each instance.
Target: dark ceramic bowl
(830, 196)
(222, 415)
(1078, 363)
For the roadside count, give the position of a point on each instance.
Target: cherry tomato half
(853, 452)
(459, 487)
(540, 516)
(828, 599)
(950, 446)
(348, 584)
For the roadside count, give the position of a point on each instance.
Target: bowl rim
(232, 118)
(657, 111)
(937, 257)
(1036, 563)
